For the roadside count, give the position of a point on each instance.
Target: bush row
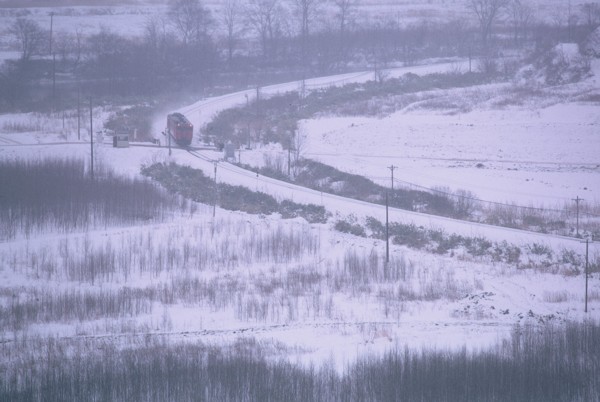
(193, 184)
(437, 241)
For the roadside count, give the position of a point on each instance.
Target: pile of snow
(563, 64)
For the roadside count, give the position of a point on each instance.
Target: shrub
(351, 228)
(409, 235)
(192, 183)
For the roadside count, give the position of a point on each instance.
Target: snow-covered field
(530, 156)
(328, 297)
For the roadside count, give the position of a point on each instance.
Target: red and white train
(180, 129)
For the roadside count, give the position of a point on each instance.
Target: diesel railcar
(180, 129)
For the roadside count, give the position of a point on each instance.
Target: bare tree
(232, 20)
(157, 41)
(487, 12)
(305, 11)
(29, 36)
(520, 16)
(591, 13)
(345, 12)
(191, 20)
(156, 31)
(264, 17)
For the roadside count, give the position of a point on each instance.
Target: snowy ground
(440, 301)
(538, 157)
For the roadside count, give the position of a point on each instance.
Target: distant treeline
(192, 47)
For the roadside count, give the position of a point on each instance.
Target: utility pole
(392, 168)
(92, 139)
(587, 241)
(247, 122)
(257, 98)
(302, 87)
(470, 59)
(289, 159)
(577, 201)
(387, 230)
(216, 191)
(51, 30)
(290, 154)
(569, 21)
(54, 80)
(78, 112)
(169, 139)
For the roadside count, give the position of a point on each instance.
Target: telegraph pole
(387, 231)
(79, 112)
(577, 201)
(587, 245)
(289, 159)
(51, 29)
(53, 80)
(247, 122)
(169, 139)
(569, 21)
(392, 168)
(92, 139)
(257, 98)
(216, 191)
(587, 241)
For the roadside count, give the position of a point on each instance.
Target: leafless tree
(520, 15)
(157, 40)
(305, 11)
(191, 20)
(591, 13)
(487, 12)
(29, 36)
(264, 17)
(156, 31)
(345, 12)
(232, 19)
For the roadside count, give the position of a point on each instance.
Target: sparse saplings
(70, 200)
(538, 363)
